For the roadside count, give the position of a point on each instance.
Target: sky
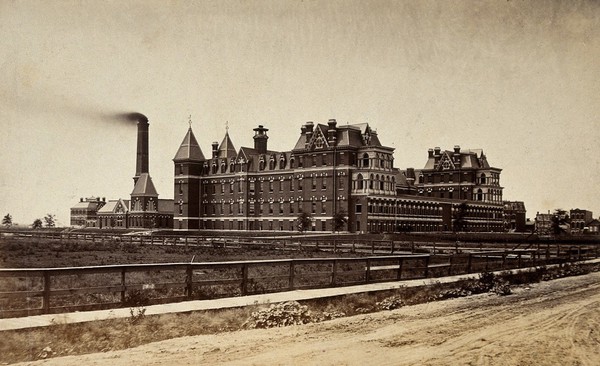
(518, 79)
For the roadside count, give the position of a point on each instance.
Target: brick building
(331, 170)
(85, 212)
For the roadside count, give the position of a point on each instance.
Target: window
(359, 182)
(251, 188)
(323, 182)
(291, 207)
(281, 207)
(341, 182)
(223, 167)
(240, 187)
(365, 160)
(270, 186)
(314, 182)
(271, 164)
(282, 164)
(314, 207)
(358, 208)
(270, 208)
(300, 184)
(482, 178)
(231, 187)
(292, 163)
(323, 207)
(180, 169)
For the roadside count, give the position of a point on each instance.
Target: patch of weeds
(390, 303)
(137, 314)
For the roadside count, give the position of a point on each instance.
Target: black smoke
(131, 117)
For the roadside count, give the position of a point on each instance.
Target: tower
(188, 161)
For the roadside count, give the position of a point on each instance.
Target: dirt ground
(549, 323)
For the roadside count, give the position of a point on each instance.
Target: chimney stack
(437, 151)
(309, 131)
(260, 139)
(141, 165)
(332, 132)
(430, 153)
(215, 149)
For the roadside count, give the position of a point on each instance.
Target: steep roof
(189, 150)
(115, 206)
(226, 149)
(144, 186)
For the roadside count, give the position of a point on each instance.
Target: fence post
(368, 271)
(400, 262)
(392, 247)
(291, 280)
(469, 263)
(427, 266)
(244, 279)
(46, 296)
(123, 286)
(333, 272)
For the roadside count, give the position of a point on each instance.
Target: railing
(67, 289)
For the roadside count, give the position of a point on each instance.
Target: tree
(7, 221)
(340, 219)
(49, 220)
(303, 222)
(37, 224)
(560, 222)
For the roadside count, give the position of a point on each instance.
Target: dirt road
(550, 323)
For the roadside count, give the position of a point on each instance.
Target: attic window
(446, 165)
(319, 143)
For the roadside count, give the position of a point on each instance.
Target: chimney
(456, 149)
(410, 176)
(332, 132)
(260, 139)
(309, 131)
(215, 149)
(141, 165)
(437, 151)
(430, 153)
(81, 199)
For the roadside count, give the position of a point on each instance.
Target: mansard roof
(144, 187)
(469, 159)
(189, 150)
(355, 135)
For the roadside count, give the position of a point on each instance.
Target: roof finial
(227, 126)
(190, 120)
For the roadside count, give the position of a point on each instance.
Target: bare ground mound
(548, 323)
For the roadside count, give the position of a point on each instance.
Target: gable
(445, 162)
(318, 140)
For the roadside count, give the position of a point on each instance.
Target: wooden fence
(52, 290)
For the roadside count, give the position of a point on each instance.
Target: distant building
(85, 212)
(515, 216)
(144, 209)
(593, 227)
(543, 223)
(580, 219)
(332, 170)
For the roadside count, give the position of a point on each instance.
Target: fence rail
(32, 291)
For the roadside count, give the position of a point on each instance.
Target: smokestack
(141, 165)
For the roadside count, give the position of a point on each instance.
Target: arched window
(292, 163)
(214, 168)
(371, 181)
(271, 164)
(365, 160)
(359, 182)
(482, 178)
(261, 165)
(232, 167)
(223, 167)
(421, 178)
(282, 163)
(479, 195)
